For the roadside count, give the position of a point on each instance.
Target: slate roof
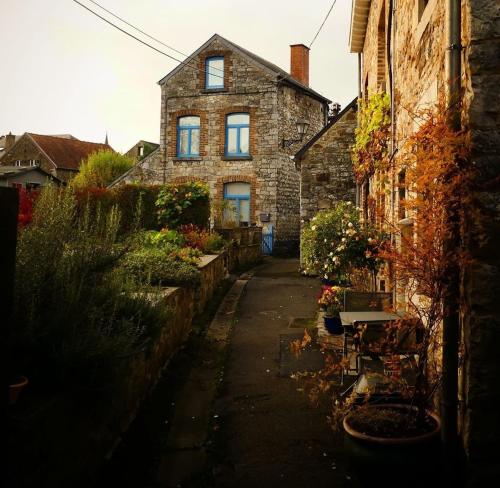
(280, 73)
(10, 171)
(67, 153)
(298, 155)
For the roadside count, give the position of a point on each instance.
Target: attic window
(214, 72)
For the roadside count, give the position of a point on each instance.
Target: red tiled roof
(67, 153)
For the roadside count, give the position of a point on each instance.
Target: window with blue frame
(238, 135)
(188, 136)
(214, 72)
(237, 196)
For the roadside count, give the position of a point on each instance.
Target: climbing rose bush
(335, 241)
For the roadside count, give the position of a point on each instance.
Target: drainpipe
(451, 334)
(360, 95)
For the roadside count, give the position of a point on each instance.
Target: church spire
(106, 139)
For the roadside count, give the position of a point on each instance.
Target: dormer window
(214, 72)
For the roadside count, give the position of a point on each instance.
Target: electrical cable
(141, 41)
(323, 23)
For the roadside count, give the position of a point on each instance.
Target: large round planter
(16, 387)
(408, 461)
(334, 325)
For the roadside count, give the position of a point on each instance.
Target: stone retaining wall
(65, 439)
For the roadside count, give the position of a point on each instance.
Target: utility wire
(212, 68)
(140, 40)
(323, 23)
(137, 28)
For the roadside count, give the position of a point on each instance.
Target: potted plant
(330, 301)
(16, 386)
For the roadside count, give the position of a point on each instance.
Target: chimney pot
(299, 63)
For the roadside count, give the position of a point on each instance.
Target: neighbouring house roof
(273, 69)
(66, 153)
(300, 153)
(359, 21)
(10, 171)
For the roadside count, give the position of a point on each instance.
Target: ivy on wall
(369, 152)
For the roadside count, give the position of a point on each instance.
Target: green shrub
(164, 236)
(204, 240)
(335, 241)
(163, 265)
(185, 203)
(136, 204)
(101, 168)
(76, 318)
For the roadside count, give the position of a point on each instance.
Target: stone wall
(420, 50)
(481, 283)
(25, 151)
(64, 439)
(273, 107)
(326, 167)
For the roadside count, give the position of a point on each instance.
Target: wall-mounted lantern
(302, 126)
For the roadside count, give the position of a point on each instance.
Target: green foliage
(135, 202)
(101, 168)
(76, 317)
(164, 265)
(335, 241)
(186, 203)
(163, 237)
(370, 148)
(208, 242)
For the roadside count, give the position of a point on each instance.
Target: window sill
(214, 90)
(180, 159)
(236, 158)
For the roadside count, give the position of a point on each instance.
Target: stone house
(60, 156)
(406, 48)
(231, 119)
(141, 150)
(325, 165)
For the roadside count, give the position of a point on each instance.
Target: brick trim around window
(219, 190)
(228, 64)
(172, 131)
(223, 113)
(186, 179)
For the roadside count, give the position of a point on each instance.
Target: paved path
(268, 433)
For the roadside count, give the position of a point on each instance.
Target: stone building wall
(24, 150)
(420, 51)
(326, 167)
(274, 108)
(481, 281)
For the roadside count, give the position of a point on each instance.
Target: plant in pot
(394, 441)
(330, 301)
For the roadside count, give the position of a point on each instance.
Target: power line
(323, 23)
(140, 40)
(212, 68)
(137, 28)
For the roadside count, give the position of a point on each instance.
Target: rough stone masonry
(274, 101)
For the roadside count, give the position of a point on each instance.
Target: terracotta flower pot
(16, 388)
(390, 460)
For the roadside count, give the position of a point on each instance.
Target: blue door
(267, 239)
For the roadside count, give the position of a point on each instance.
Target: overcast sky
(65, 71)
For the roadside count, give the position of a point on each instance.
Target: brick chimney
(9, 140)
(299, 63)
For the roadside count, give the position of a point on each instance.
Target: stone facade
(274, 102)
(419, 70)
(325, 165)
(141, 150)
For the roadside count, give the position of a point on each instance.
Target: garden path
(269, 434)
